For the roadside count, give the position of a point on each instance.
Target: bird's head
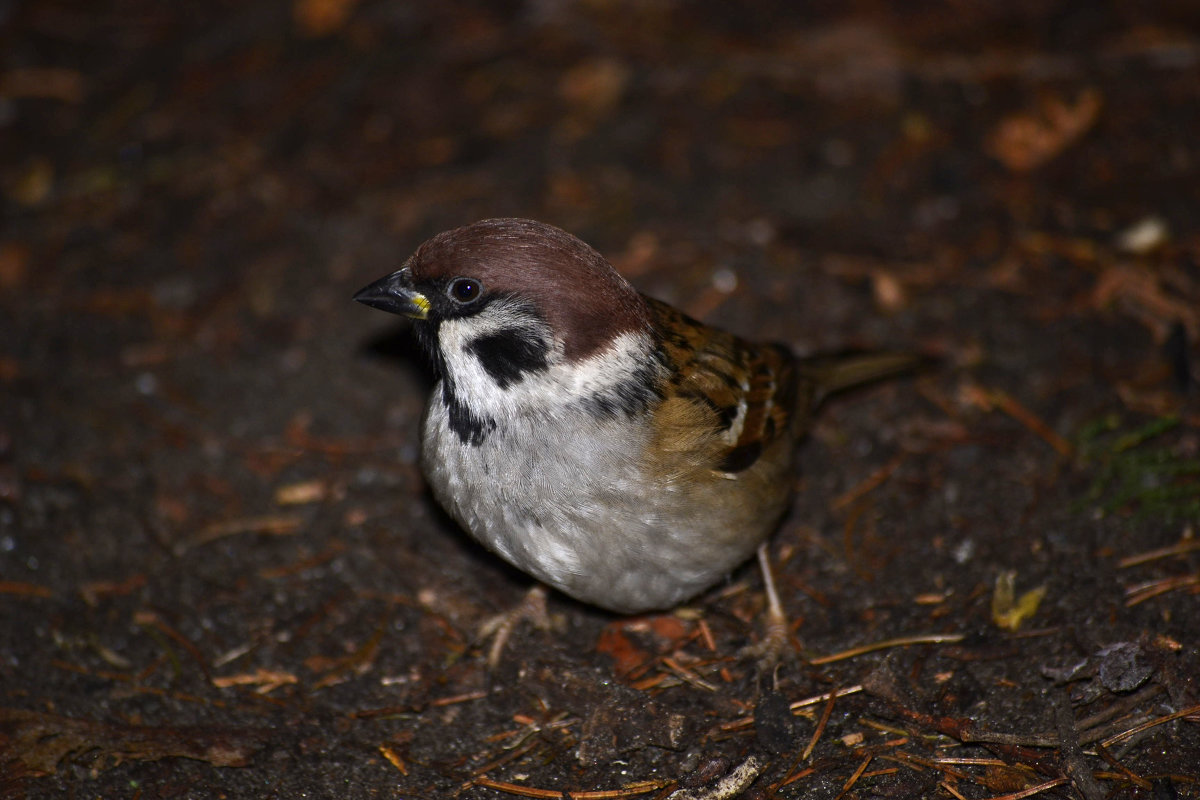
(503, 300)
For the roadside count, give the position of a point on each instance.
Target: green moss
(1137, 471)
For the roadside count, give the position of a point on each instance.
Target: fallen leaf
(626, 656)
(322, 17)
(1025, 141)
(14, 265)
(54, 83)
(1008, 611)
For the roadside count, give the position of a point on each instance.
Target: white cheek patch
(542, 392)
(619, 362)
(477, 387)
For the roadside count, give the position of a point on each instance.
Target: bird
(598, 439)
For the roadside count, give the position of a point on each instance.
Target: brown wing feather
(736, 396)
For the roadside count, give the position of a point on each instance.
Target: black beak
(394, 295)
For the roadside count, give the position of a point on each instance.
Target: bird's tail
(832, 374)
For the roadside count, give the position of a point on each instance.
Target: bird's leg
(500, 627)
(776, 638)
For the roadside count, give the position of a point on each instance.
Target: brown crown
(584, 299)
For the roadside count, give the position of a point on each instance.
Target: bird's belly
(576, 511)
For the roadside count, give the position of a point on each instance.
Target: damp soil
(221, 572)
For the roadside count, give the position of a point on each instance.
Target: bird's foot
(501, 626)
(776, 643)
(775, 647)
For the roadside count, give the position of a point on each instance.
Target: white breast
(558, 491)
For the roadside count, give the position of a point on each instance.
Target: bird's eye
(464, 290)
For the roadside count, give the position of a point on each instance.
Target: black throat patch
(471, 430)
(510, 354)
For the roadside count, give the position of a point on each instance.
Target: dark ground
(221, 576)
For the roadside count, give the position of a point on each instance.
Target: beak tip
(367, 296)
(394, 297)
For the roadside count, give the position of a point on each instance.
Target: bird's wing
(727, 400)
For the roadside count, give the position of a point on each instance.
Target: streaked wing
(737, 397)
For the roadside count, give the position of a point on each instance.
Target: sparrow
(600, 440)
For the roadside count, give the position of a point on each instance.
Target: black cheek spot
(741, 457)
(508, 355)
